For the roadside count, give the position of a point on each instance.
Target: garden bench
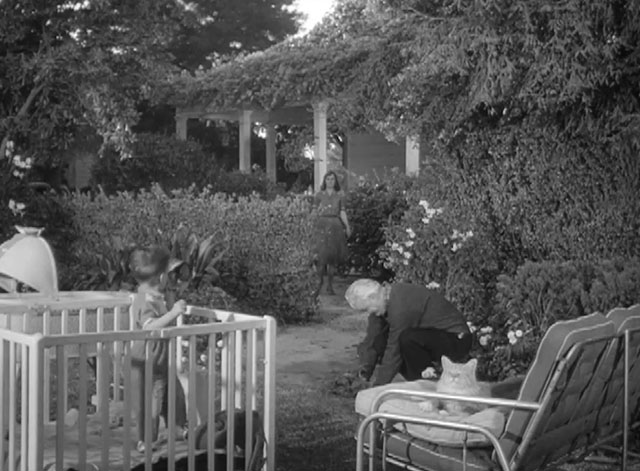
(581, 392)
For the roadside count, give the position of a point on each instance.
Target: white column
(181, 127)
(320, 143)
(245, 141)
(412, 155)
(271, 152)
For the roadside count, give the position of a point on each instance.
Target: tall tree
(227, 27)
(66, 64)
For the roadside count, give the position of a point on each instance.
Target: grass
(315, 430)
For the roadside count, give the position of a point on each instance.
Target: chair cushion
(612, 414)
(492, 418)
(625, 318)
(429, 456)
(557, 341)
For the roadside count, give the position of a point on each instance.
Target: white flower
(405, 262)
(394, 246)
(400, 249)
(456, 246)
(519, 333)
(433, 285)
(472, 328)
(511, 335)
(18, 174)
(425, 220)
(204, 358)
(409, 243)
(407, 255)
(8, 149)
(463, 236)
(16, 208)
(486, 330)
(484, 340)
(411, 233)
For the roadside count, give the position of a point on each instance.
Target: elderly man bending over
(409, 328)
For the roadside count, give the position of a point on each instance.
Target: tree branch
(22, 112)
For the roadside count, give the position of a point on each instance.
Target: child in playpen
(149, 267)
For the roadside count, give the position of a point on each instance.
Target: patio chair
(557, 416)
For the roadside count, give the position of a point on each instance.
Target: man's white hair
(363, 293)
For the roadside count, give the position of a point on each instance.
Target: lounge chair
(571, 402)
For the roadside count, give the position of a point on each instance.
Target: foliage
(416, 67)
(437, 241)
(21, 205)
(194, 261)
(270, 277)
(538, 295)
(173, 164)
(544, 195)
(372, 205)
(67, 65)
(154, 158)
(226, 27)
(105, 267)
(239, 183)
(328, 63)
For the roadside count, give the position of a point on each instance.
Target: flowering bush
(428, 246)
(371, 206)
(538, 295)
(266, 262)
(22, 206)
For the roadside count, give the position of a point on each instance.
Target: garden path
(325, 347)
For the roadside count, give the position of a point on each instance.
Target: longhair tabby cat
(460, 379)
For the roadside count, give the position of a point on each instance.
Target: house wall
(79, 171)
(368, 153)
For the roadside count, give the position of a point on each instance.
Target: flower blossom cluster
(485, 335)
(16, 208)
(430, 212)
(458, 238)
(20, 165)
(403, 248)
(514, 336)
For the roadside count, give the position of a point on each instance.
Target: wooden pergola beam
(292, 114)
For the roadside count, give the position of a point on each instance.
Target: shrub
(429, 245)
(266, 262)
(372, 205)
(20, 205)
(173, 163)
(238, 183)
(538, 295)
(155, 158)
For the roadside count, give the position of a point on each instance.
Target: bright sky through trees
(314, 9)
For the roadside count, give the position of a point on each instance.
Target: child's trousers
(159, 406)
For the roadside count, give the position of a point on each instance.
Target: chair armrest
(502, 460)
(418, 395)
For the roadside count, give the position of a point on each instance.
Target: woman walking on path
(332, 230)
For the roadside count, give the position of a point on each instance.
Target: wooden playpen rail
(237, 335)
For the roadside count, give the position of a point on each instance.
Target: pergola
(299, 81)
(293, 113)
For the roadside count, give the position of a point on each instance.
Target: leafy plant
(194, 261)
(106, 267)
(372, 205)
(269, 277)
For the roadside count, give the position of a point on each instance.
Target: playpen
(66, 386)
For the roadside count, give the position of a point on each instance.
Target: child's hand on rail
(180, 307)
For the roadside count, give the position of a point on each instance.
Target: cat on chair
(459, 379)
